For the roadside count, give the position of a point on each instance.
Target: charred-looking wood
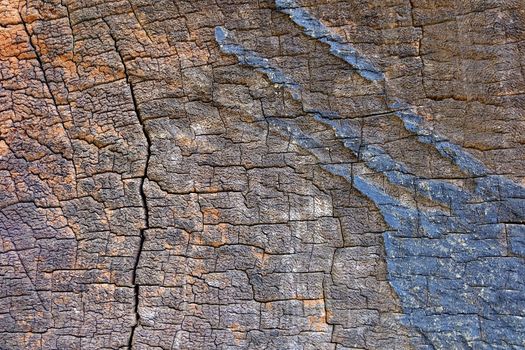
(287, 174)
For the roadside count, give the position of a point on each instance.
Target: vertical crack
(142, 182)
(33, 46)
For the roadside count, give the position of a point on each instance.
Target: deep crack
(142, 192)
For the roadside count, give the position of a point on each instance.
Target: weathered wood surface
(262, 174)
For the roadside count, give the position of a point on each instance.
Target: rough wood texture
(262, 174)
